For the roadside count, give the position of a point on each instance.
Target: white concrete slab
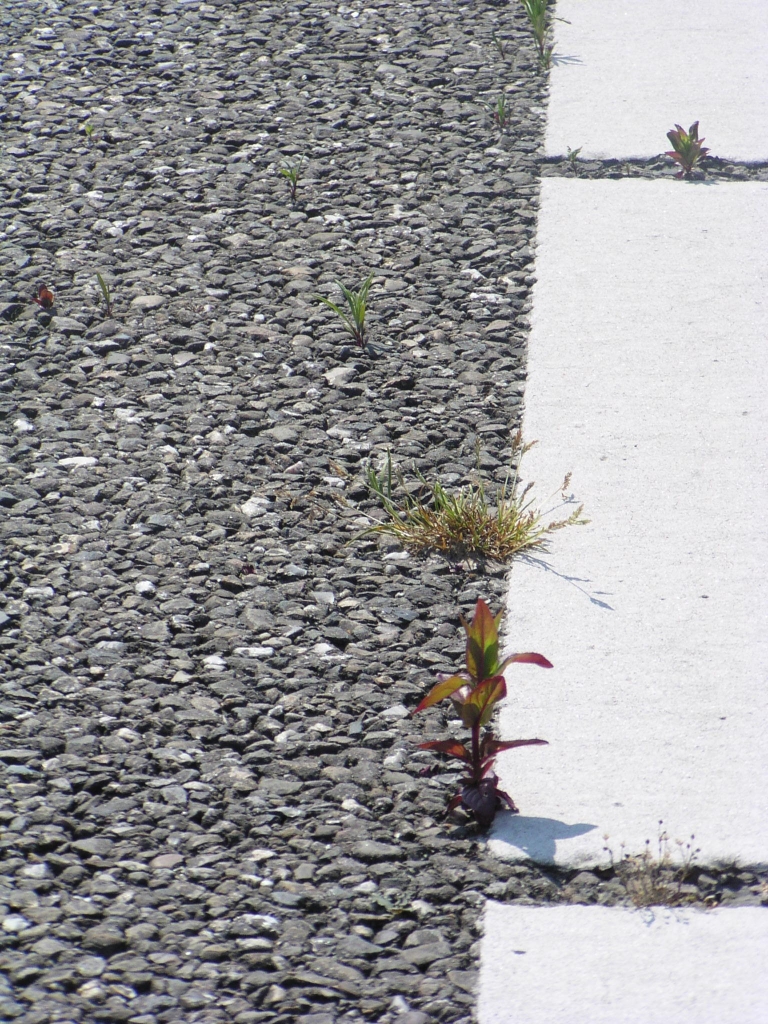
(573, 965)
(627, 70)
(648, 375)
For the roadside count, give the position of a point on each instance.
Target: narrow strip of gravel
(712, 169)
(214, 809)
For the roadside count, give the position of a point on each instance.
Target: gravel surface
(712, 169)
(213, 807)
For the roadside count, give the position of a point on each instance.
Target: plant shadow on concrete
(467, 523)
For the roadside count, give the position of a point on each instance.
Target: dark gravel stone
(17, 755)
(97, 846)
(371, 851)
(103, 939)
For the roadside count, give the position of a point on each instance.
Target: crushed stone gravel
(213, 806)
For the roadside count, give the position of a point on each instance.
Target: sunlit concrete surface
(648, 375)
(626, 71)
(573, 964)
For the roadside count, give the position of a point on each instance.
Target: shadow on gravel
(536, 837)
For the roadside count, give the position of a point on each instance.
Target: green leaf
(482, 643)
(478, 707)
(452, 748)
(339, 312)
(440, 691)
(329, 304)
(528, 658)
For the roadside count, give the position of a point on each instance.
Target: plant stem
(476, 752)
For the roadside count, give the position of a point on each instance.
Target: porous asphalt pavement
(213, 806)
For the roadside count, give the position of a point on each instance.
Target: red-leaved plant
(44, 298)
(474, 694)
(687, 148)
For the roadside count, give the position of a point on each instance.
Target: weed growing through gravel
(687, 148)
(465, 523)
(106, 295)
(572, 157)
(44, 298)
(474, 694)
(537, 16)
(500, 46)
(357, 304)
(89, 129)
(292, 174)
(653, 879)
(394, 907)
(500, 113)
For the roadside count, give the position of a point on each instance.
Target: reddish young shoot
(474, 694)
(688, 149)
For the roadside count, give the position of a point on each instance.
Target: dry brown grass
(656, 878)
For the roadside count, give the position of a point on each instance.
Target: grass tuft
(500, 113)
(465, 523)
(536, 10)
(106, 295)
(654, 879)
(292, 174)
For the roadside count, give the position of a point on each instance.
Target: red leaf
(508, 801)
(450, 747)
(482, 800)
(494, 747)
(44, 298)
(528, 658)
(490, 747)
(455, 801)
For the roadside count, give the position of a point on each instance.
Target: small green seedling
(572, 157)
(105, 294)
(357, 303)
(687, 148)
(500, 46)
(292, 174)
(500, 112)
(89, 129)
(537, 16)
